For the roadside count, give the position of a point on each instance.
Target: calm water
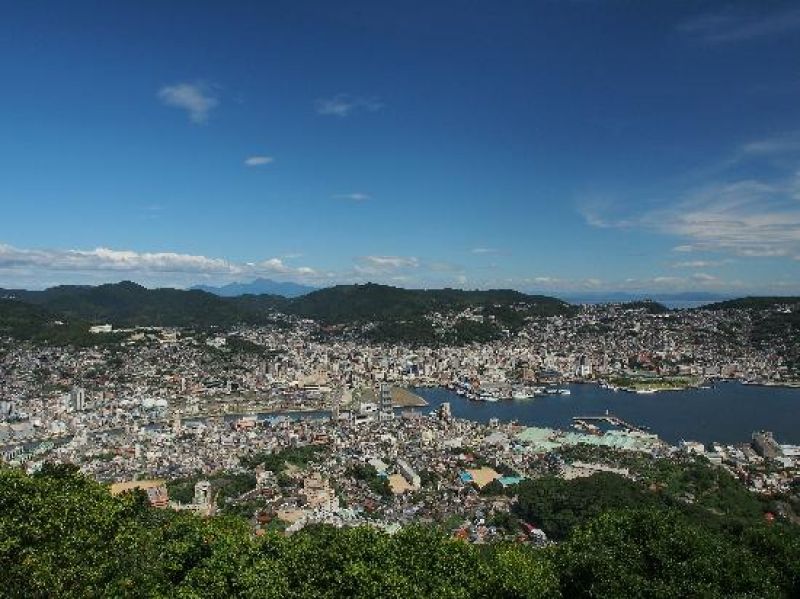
(728, 412)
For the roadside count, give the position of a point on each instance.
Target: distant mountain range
(399, 313)
(258, 287)
(130, 304)
(669, 299)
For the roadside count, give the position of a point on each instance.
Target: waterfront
(728, 412)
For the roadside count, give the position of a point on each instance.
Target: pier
(610, 419)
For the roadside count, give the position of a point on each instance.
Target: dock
(609, 419)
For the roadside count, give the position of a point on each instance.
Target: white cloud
(391, 262)
(139, 264)
(699, 263)
(353, 197)
(729, 26)
(111, 260)
(259, 160)
(194, 98)
(484, 250)
(342, 105)
(745, 217)
(273, 265)
(785, 143)
(382, 266)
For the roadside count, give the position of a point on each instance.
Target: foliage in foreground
(63, 535)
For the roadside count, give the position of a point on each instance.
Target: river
(728, 412)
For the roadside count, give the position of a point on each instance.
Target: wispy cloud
(342, 105)
(646, 286)
(259, 160)
(196, 99)
(484, 250)
(699, 263)
(353, 197)
(730, 26)
(746, 217)
(373, 265)
(773, 145)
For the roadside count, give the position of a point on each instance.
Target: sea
(727, 412)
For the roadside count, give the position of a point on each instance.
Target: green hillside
(349, 303)
(129, 304)
(753, 303)
(63, 535)
(25, 321)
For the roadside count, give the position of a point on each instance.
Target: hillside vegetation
(754, 303)
(63, 535)
(128, 304)
(774, 323)
(348, 303)
(24, 321)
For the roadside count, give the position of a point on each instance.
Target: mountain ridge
(130, 304)
(259, 286)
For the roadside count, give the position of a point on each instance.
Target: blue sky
(557, 147)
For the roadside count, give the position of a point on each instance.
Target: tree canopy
(64, 535)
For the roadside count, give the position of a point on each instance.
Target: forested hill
(349, 303)
(754, 303)
(63, 535)
(399, 313)
(129, 304)
(771, 322)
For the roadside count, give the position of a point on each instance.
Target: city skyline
(561, 148)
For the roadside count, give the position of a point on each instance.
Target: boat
(557, 391)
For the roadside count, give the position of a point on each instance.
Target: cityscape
(157, 405)
(390, 300)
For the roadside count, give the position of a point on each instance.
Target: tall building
(177, 426)
(77, 399)
(336, 401)
(386, 410)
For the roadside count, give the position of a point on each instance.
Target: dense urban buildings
(292, 423)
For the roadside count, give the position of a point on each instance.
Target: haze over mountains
(259, 286)
(290, 289)
(686, 299)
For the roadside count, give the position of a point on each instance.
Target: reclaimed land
(403, 398)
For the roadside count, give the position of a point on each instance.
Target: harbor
(726, 412)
